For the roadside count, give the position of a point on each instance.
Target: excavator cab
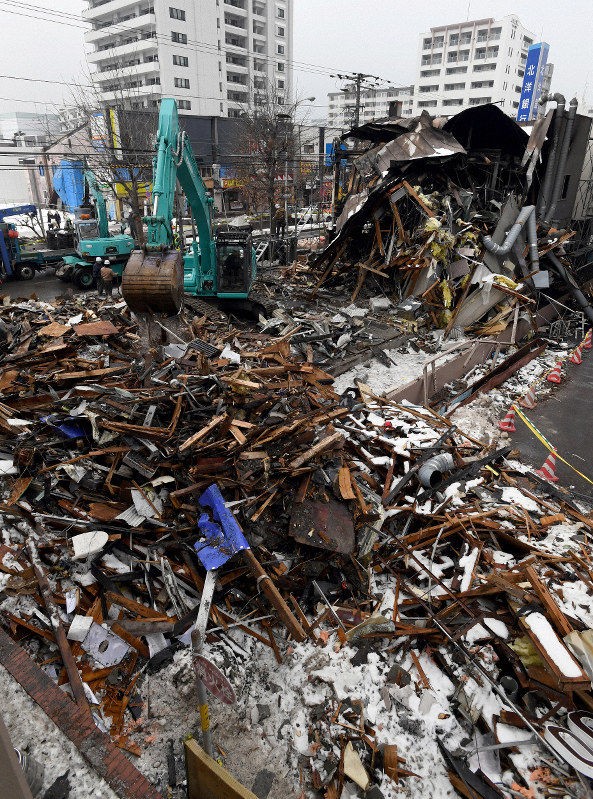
(234, 268)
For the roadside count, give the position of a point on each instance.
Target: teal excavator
(93, 240)
(220, 267)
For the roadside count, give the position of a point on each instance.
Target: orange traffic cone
(508, 423)
(548, 470)
(528, 401)
(555, 376)
(576, 355)
(587, 342)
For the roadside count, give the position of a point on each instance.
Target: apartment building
(374, 104)
(472, 63)
(213, 56)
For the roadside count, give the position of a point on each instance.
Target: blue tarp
(69, 183)
(221, 535)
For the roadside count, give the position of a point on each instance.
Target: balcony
(140, 70)
(235, 78)
(136, 24)
(235, 22)
(132, 95)
(142, 46)
(111, 9)
(239, 5)
(232, 40)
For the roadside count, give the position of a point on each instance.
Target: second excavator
(220, 267)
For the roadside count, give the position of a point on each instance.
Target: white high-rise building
(211, 55)
(374, 104)
(472, 63)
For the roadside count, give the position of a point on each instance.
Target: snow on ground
(31, 730)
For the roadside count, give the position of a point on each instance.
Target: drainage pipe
(546, 189)
(578, 295)
(532, 239)
(512, 235)
(430, 473)
(562, 159)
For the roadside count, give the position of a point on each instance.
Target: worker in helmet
(107, 275)
(97, 274)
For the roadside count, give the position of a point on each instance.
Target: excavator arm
(153, 278)
(100, 205)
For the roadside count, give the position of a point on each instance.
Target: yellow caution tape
(540, 436)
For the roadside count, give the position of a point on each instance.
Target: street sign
(214, 680)
(537, 58)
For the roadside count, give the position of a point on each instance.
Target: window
(484, 67)
(483, 84)
(429, 73)
(431, 88)
(281, 13)
(181, 83)
(280, 66)
(427, 104)
(518, 89)
(480, 100)
(184, 105)
(456, 70)
(280, 31)
(427, 44)
(453, 87)
(438, 41)
(181, 60)
(177, 13)
(465, 38)
(280, 84)
(453, 40)
(179, 38)
(452, 102)
(280, 49)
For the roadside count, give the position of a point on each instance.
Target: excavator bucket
(154, 282)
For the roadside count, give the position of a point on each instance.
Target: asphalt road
(45, 286)
(565, 418)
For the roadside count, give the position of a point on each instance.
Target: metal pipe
(431, 472)
(546, 188)
(578, 295)
(562, 159)
(532, 240)
(512, 235)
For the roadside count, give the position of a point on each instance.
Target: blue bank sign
(533, 80)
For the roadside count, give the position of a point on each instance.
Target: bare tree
(266, 149)
(122, 132)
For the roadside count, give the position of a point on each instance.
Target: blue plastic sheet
(221, 536)
(68, 182)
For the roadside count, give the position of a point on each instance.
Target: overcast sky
(379, 37)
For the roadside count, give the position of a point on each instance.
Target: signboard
(214, 680)
(537, 59)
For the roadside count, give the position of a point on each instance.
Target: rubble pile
(438, 213)
(416, 605)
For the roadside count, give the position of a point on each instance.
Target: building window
(465, 38)
(480, 100)
(280, 84)
(452, 102)
(280, 49)
(483, 84)
(281, 13)
(456, 70)
(453, 40)
(181, 83)
(427, 104)
(184, 105)
(427, 44)
(179, 38)
(430, 88)
(177, 13)
(453, 87)
(429, 73)
(280, 66)
(280, 31)
(181, 60)
(484, 67)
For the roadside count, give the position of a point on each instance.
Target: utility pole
(358, 78)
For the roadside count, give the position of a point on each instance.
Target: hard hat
(107, 262)
(97, 260)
